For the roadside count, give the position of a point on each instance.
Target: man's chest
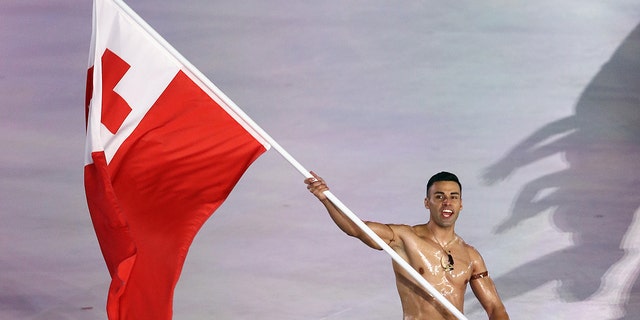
(450, 265)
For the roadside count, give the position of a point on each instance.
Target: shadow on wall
(595, 198)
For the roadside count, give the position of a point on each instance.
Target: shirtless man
(433, 249)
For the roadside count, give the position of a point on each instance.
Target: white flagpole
(267, 138)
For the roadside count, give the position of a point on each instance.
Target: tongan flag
(164, 149)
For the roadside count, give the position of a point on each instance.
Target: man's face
(444, 202)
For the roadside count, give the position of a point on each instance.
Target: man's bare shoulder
(412, 229)
(473, 253)
(404, 230)
(400, 228)
(470, 249)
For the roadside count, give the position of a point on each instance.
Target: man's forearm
(340, 219)
(499, 314)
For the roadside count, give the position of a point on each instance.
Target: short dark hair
(443, 176)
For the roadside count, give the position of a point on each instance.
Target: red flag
(164, 150)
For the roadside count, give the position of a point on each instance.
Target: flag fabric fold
(163, 151)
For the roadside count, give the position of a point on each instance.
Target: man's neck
(442, 234)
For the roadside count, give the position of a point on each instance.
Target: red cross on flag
(164, 149)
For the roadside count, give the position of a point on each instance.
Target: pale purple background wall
(535, 105)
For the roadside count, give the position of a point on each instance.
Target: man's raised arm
(317, 186)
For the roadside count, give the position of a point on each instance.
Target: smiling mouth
(447, 213)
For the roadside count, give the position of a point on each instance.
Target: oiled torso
(419, 248)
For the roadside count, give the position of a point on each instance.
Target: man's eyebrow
(442, 192)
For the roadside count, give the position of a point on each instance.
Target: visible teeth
(447, 211)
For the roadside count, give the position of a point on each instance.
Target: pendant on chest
(446, 261)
